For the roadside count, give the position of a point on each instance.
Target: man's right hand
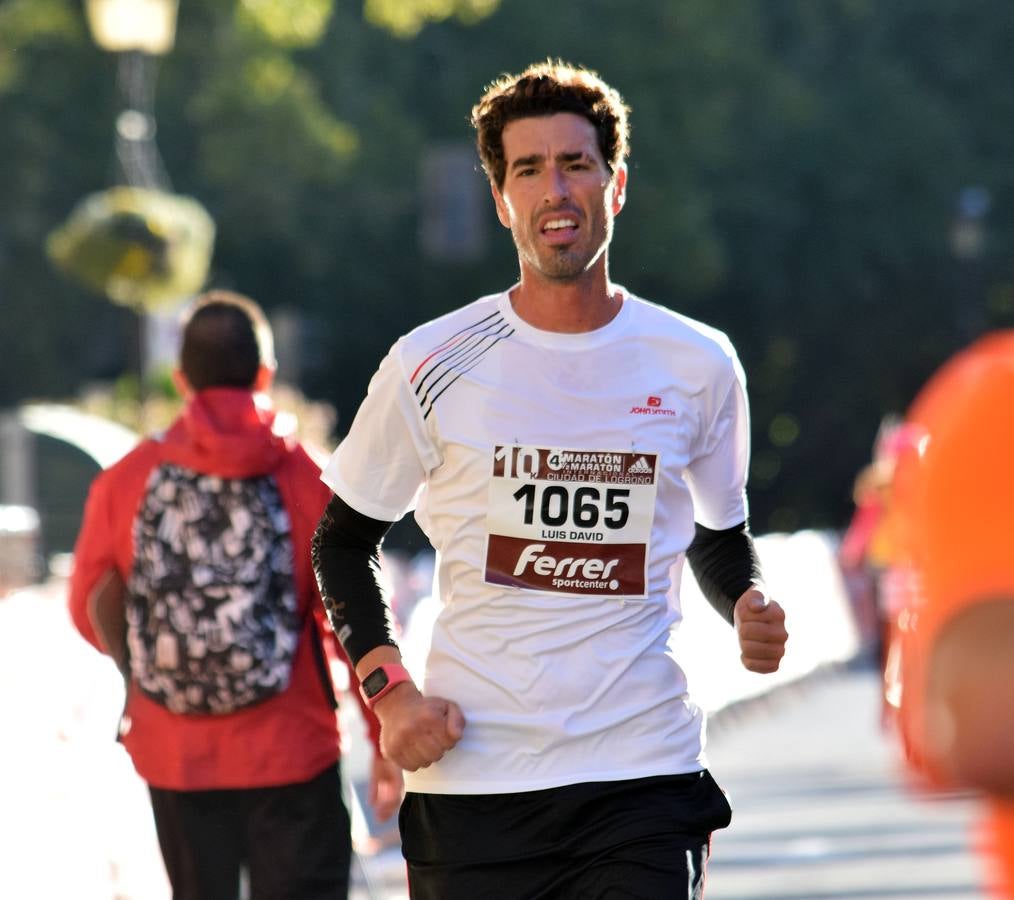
(416, 731)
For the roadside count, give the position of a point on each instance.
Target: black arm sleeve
(725, 565)
(346, 559)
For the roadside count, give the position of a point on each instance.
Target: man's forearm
(725, 564)
(346, 560)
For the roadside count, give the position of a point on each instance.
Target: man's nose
(556, 190)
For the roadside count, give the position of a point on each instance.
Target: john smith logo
(652, 407)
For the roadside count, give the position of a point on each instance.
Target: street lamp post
(138, 243)
(138, 31)
(119, 26)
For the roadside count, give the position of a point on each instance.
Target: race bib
(570, 521)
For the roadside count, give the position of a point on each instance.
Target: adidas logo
(640, 466)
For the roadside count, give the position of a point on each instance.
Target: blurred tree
(794, 175)
(406, 18)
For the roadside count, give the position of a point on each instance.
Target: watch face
(375, 682)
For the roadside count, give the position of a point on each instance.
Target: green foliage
(24, 22)
(406, 18)
(291, 23)
(794, 172)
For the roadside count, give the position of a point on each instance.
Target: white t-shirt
(558, 476)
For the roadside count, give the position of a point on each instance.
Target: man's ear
(619, 188)
(265, 378)
(501, 206)
(181, 384)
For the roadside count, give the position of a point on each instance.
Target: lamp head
(123, 25)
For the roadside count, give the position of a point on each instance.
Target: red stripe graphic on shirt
(459, 354)
(450, 342)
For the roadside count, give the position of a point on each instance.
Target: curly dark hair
(543, 89)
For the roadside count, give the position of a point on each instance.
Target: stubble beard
(562, 264)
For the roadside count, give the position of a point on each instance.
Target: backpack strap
(320, 659)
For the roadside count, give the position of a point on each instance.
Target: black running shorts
(646, 838)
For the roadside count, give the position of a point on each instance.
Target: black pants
(644, 839)
(294, 840)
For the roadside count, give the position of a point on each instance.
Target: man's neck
(584, 304)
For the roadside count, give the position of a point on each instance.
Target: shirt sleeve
(385, 457)
(94, 556)
(717, 475)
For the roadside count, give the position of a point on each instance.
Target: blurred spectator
(192, 570)
(872, 556)
(863, 549)
(955, 497)
(400, 584)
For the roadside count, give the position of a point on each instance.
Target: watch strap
(381, 681)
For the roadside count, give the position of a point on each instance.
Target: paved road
(821, 811)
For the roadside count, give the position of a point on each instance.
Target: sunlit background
(828, 181)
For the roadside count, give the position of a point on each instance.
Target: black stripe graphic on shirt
(453, 358)
(476, 350)
(474, 325)
(449, 344)
(426, 402)
(460, 359)
(457, 347)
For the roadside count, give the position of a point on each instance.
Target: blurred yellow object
(139, 247)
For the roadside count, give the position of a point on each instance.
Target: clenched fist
(760, 627)
(416, 731)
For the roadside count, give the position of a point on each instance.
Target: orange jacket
(956, 494)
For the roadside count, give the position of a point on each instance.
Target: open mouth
(560, 228)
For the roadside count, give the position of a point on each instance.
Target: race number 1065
(583, 507)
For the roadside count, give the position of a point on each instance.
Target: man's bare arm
(970, 698)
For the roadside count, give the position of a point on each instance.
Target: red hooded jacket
(286, 739)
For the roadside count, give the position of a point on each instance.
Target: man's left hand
(760, 627)
(387, 787)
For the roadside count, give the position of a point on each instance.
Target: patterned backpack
(211, 609)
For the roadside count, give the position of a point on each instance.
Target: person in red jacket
(242, 767)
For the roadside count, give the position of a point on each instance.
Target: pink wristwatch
(381, 680)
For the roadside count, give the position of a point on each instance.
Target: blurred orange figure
(955, 495)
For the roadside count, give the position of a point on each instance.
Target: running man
(564, 444)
